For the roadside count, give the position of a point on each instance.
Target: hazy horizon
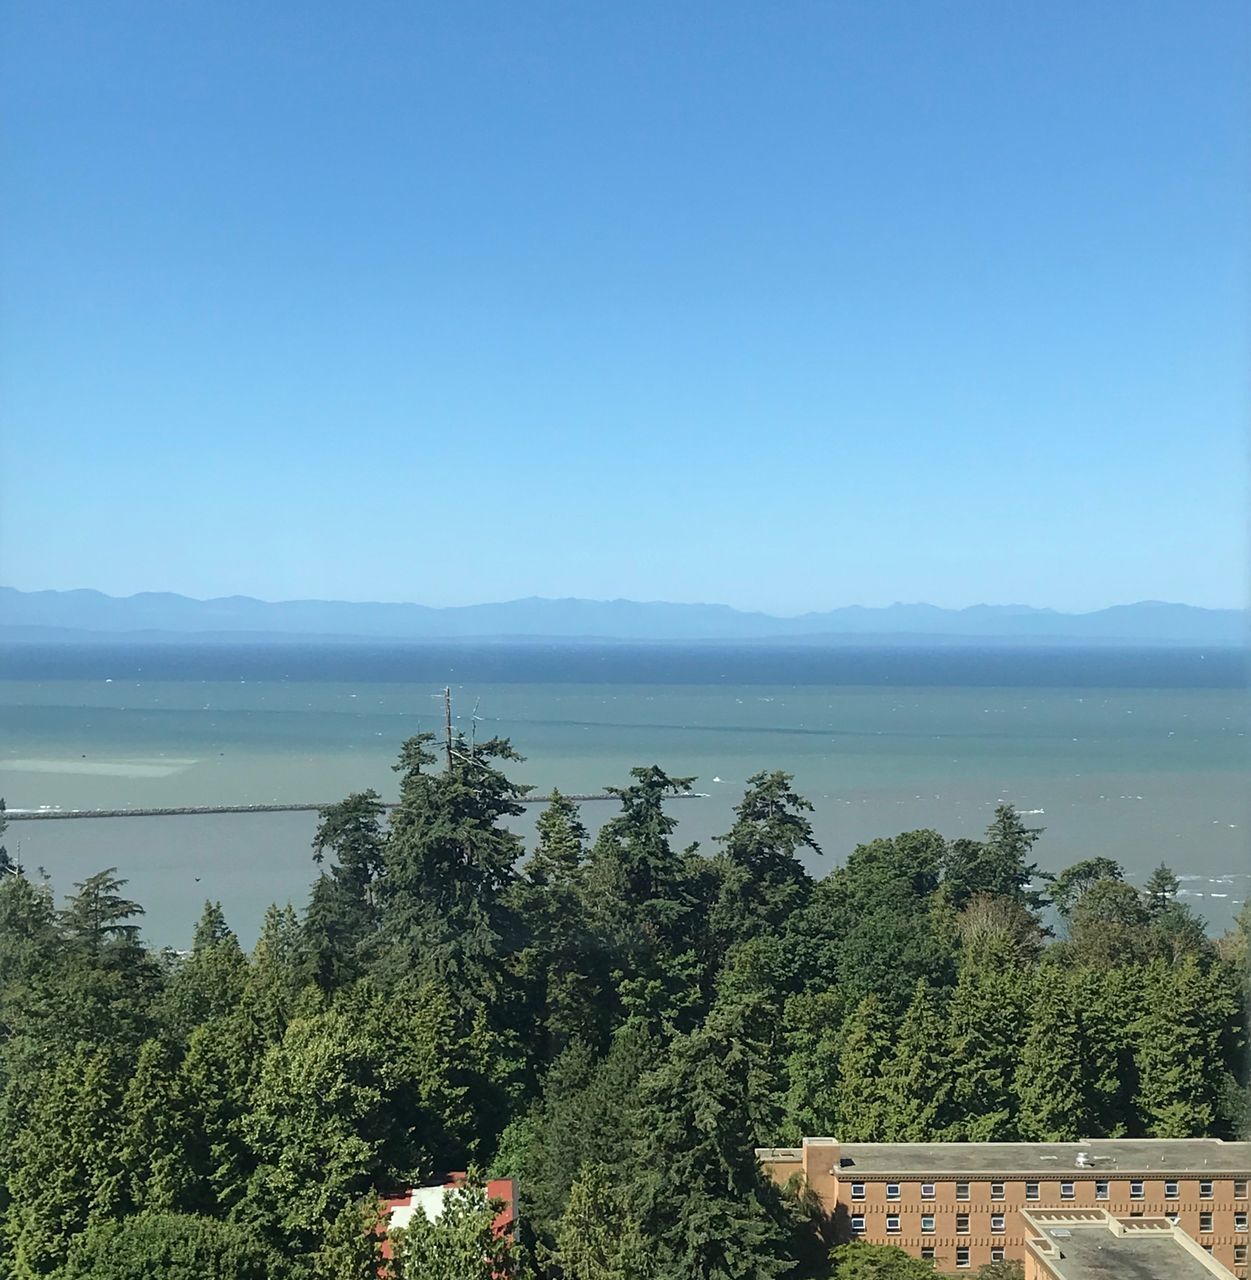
(884, 602)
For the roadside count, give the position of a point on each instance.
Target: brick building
(964, 1203)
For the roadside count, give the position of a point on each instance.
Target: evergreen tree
(598, 1238)
(97, 917)
(1161, 890)
(878, 922)
(277, 974)
(1050, 1078)
(997, 865)
(343, 910)
(208, 983)
(703, 1204)
(1187, 1020)
(558, 964)
(154, 1134)
(640, 901)
(1110, 1001)
(917, 1078)
(986, 1019)
(813, 1032)
(7, 865)
(65, 1172)
(219, 1072)
(174, 1246)
(761, 880)
(862, 1101)
(351, 1248)
(587, 1106)
(448, 868)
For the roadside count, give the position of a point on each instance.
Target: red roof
(502, 1189)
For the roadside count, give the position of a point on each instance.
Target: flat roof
(1094, 1253)
(1152, 1157)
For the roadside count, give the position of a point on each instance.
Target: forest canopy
(615, 1023)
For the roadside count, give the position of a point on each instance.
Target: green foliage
(448, 866)
(598, 1237)
(1050, 1079)
(173, 1246)
(861, 1110)
(208, 983)
(986, 1034)
(7, 865)
(65, 1171)
(762, 881)
(863, 1261)
(618, 1027)
(702, 1202)
(917, 1079)
(559, 962)
(1189, 1014)
(461, 1244)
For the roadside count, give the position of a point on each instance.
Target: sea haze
(1136, 753)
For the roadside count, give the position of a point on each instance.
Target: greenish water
(1134, 772)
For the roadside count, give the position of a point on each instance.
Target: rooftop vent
(1061, 1233)
(845, 1162)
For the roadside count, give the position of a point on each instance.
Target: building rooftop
(1095, 1246)
(1150, 1156)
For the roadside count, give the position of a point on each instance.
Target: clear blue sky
(782, 305)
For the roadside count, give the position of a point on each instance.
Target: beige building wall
(889, 1208)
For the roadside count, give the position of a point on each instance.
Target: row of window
(962, 1256)
(998, 1223)
(1068, 1190)
(963, 1261)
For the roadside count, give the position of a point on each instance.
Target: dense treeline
(616, 1023)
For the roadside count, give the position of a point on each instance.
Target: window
(1031, 1191)
(997, 1223)
(1240, 1188)
(1137, 1190)
(962, 1190)
(927, 1251)
(1207, 1248)
(1205, 1191)
(927, 1191)
(1102, 1191)
(1205, 1223)
(1067, 1191)
(892, 1224)
(892, 1191)
(1240, 1255)
(857, 1190)
(1240, 1221)
(927, 1224)
(857, 1223)
(962, 1258)
(1171, 1190)
(996, 1255)
(1174, 1218)
(962, 1224)
(996, 1190)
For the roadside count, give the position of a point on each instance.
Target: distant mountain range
(48, 616)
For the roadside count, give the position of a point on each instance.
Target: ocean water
(1138, 755)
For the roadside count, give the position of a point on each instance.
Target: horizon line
(611, 600)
